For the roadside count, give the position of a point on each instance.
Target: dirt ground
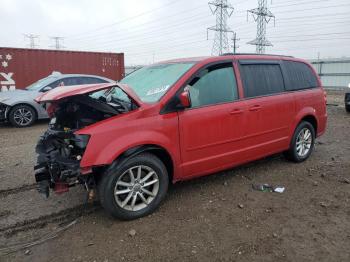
(215, 218)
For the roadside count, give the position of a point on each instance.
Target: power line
(308, 35)
(313, 39)
(321, 16)
(127, 19)
(311, 9)
(170, 32)
(174, 24)
(144, 13)
(31, 39)
(148, 35)
(103, 36)
(262, 15)
(188, 44)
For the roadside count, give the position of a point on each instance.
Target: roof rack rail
(254, 54)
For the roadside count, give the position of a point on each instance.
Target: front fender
(100, 153)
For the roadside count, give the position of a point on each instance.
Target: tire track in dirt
(6, 192)
(61, 217)
(23, 208)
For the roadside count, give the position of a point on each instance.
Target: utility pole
(57, 40)
(262, 16)
(235, 40)
(222, 10)
(31, 39)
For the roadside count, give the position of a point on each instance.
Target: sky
(155, 30)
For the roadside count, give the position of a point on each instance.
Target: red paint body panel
(29, 65)
(211, 138)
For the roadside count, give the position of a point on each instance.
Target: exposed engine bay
(60, 150)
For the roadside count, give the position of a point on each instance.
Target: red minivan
(177, 120)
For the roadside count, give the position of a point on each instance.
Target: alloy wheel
(23, 116)
(304, 142)
(136, 188)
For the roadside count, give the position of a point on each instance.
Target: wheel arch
(312, 120)
(156, 150)
(19, 104)
(306, 114)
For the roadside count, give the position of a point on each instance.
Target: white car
(18, 106)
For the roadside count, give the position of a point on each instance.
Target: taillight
(325, 96)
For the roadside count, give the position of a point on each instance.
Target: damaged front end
(60, 149)
(58, 163)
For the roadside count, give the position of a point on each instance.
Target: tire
(120, 173)
(22, 116)
(299, 151)
(347, 100)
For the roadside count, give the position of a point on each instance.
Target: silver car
(18, 106)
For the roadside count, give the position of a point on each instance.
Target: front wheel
(135, 188)
(22, 116)
(302, 143)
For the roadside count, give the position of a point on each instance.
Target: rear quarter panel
(311, 102)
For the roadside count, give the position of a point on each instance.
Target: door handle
(236, 111)
(255, 108)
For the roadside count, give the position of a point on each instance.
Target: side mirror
(177, 103)
(46, 88)
(185, 99)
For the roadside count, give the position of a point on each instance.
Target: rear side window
(214, 85)
(299, 76)
(261, 79)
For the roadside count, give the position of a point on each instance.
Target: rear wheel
(302, 143)
(134, 189)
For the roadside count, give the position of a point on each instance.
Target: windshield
(41, 83)
(150, 83)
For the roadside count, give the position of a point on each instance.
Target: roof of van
(228, 55)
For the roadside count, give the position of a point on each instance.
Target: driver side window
(215, 85)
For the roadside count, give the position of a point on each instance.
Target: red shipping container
(20, 67)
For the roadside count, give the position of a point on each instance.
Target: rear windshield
(150, 83)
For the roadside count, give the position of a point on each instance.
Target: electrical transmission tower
(57, 40)
(31, 39)
(222, 10)
(262, 16)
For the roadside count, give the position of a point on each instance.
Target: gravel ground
(214, 218)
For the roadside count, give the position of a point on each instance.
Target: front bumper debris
(58, 162)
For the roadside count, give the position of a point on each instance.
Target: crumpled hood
(69, 91)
